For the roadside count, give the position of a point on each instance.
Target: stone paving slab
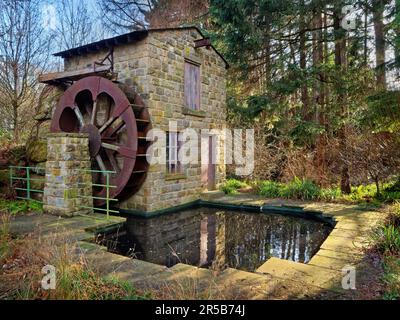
(23, 224)
(348, 233)
(104, 262)
(241, 284)
(342, 244)
(345, 256)
(311, 275)
(330, 263)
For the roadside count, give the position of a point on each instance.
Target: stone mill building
(172, 74)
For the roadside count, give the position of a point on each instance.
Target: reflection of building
(220, 241)
(168, 239)
(203, 237)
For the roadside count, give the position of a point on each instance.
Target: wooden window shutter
(192, 86)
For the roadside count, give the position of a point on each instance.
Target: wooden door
(211, 170)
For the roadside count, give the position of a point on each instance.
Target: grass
(16, 207)
(75, 279)
(196, 287)
(269, 189)
(4, 236)
(386, 241)
(22, 260)
(391, 277)
(8, 208)
(231, 186)
(301, 190)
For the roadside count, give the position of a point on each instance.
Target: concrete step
(236, 284)
(342, 244)
(306, 274)
(137, 272)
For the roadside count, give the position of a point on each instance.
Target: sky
(48, 8)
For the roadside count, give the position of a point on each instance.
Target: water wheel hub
(94, 139)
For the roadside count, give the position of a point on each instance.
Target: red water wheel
(117, 121)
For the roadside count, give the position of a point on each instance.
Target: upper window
(192, 85)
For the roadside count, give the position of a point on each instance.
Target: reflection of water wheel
(117, 122)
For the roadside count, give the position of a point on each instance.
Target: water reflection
(209, 237)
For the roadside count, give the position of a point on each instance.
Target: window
(192, 86)
(173, 145)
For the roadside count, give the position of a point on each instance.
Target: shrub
(390, 196)
(393, 187)
(394, 216)
(391, 265)
(269, 189)
(232, 185)
(4, 236)
(363, 192)
(301, 189)
(330, 194)
(387, 239)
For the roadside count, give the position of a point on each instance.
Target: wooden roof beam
(73, 75)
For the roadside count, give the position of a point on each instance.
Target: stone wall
(67, 183)
(154, 66)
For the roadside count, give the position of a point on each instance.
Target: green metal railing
(107, 198)
(24, 175)
(26, 179)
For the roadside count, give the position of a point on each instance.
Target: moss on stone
(4, 177)
(17, 156)
(37, 182)
(36, 151)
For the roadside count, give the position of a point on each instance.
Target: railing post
(11, 179)
(28, 184)
(108, 194)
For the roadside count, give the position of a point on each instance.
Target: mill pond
(208, 237)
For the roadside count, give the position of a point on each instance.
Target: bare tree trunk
(24, 50)
(378, 190)
(319, 92)
(303, 64)
(366, 33)
(340, 62)
(15, 121)
(378, 10)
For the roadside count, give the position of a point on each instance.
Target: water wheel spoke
(89, 110)
(100, 162)
(113, 161)
(125, 152)
(94, 113)
(115, 130)
(79, 116)
(107, 124)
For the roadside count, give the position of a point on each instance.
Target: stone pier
(68, 186)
